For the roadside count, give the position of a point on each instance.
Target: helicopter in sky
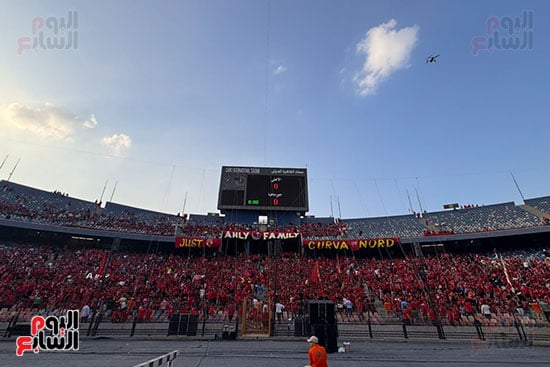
(432, 58)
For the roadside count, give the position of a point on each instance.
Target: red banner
(350, 245)
(257, 235)
(195, 242)
(315, 274)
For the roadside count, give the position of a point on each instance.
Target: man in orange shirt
(317, 354)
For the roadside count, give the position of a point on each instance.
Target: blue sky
(154, 97)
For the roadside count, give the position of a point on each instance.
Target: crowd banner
(196, 242)
(259, 235)
(350, 245)
(308, 244)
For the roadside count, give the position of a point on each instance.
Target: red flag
(315, 275)
(101, 269)
(338, 265)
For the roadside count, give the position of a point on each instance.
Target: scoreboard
(263, 188)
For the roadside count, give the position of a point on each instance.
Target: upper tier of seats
(19, 202)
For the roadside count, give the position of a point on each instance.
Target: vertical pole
(184, 203)
(368, 319)
(103, 191)
(517, 187)
(13, 170)
(4, 161)
(113, 193)
(410, 203)
(419, 203)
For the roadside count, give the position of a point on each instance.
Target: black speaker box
(183, 324)
(188, 325)
(327, 335)
(173, 325)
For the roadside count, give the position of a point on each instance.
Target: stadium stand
(150, 286)
(482, 218)
(27, 204)
(542, 204)
(403, 226)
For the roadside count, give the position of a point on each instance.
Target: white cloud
(386, 49)
(117, 142)
(91, 122)
(279, 70)
(47, 121)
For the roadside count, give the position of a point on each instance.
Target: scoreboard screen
(262, 188)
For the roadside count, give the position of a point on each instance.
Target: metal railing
(163, 360)
(391, 329)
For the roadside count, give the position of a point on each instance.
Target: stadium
(262, 267)
(297, 129)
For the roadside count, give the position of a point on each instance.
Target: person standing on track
(317, 354)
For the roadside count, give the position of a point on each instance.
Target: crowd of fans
(26, 206)
(323, 230)
(307, 230)
(58, 209)
(89, 218)
(18, 202)
(146, 287)
(96, 217)
(431, 232)
(152, 287)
